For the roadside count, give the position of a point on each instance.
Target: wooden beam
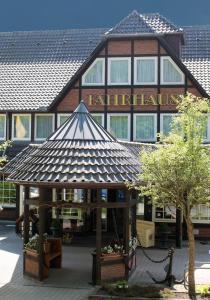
(76, 185)
(17, 208)
(42, 197)
(126, 233)
(98, 238)
(84, 205)
(26, 217)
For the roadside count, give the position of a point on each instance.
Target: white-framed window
(119, 125)
(145, 127)
(95, 74)
(99, 118)
(2, 127)
(164, 214)
(166, 120)
(170, 72)
(207, 133)
(145, 70)
(200, 213)
(21, 127)
(44, 126)
(62, 118)
(119, 70)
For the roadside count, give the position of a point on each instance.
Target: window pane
(146, 70)
(98, 119)
(63, 119)
(95, 73)
(170, 73)
(2, 127)
(167, 122)
(119, 127)
(119, 71)
(44, 126)
(22, 127)
(145, 127)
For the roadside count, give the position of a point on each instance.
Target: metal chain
(147, 256)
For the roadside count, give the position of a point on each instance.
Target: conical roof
(80, 151)
(81, 126)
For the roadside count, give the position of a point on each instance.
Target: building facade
(130, 77)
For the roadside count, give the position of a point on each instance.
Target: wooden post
(26, 217)
(17, 188)
(178, 228)
(98, 238)
(126, 233)
(42, 199)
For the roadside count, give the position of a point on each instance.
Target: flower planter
(31, 264)
(112, 267)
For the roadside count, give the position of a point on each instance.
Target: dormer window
(170, 72)
(95, 73)
(119, 72)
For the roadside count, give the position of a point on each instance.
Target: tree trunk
(191, 267)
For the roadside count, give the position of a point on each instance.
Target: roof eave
(82, 185)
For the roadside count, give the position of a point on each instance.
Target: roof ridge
(54, 30)
(196, 26)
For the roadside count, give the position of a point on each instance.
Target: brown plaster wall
(145, 47)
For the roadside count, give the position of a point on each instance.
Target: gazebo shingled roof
(12, 165)
(80, 151)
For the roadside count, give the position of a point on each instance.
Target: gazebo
(80, 154)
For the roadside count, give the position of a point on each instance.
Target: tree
(178, 171)
(3, 147)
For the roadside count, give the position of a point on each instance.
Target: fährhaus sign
(134, 99)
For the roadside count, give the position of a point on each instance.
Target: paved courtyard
(73, 280)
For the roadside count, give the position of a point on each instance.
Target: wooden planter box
(31, 264)
(114, 267)
(52, 258)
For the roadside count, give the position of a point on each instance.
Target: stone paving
(72, 280)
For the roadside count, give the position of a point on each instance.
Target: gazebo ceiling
(80, 151)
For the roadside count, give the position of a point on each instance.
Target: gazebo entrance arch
(80, 154)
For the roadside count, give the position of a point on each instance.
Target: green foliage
(122, 289)
(3, 148)
(203, 290)
(167, 293)
(33, 242)
(178, 172)
(122, 285)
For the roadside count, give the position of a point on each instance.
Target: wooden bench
(53, 259)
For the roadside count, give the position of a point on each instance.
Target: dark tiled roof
(137, 148)
(12, 165)
(35, 66)
(196, 53)
(76, 159)
(136, 23)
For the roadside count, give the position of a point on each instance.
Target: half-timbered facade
(129, 76)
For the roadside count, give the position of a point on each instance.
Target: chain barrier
(147, 256)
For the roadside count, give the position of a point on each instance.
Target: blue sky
(61, 14)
